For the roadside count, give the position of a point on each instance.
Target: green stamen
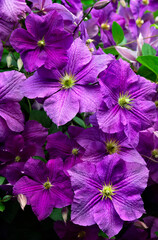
(17, 159)
(145, 2)
(41, 43)
(81, 234)
(156, 104)
(139, 22)
(75, 151)
(47, 185)
(107, 191)
(105, 26)
(154, 153)
(125, 101)
(67, 81)
(112, 146)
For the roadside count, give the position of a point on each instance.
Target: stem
(149, 158)
(82, 19)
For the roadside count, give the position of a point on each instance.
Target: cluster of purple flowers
(100, 170)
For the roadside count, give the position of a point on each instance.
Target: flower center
(17, 159)
(125, 101)
(154, 153)
(47, 185)
(156, 104)
(112, 146)
(105, 26)
(145, 2)
(139, 22)
(68, 81)
(41, 43)
(81, 234)
(75, 151)
(107, 191)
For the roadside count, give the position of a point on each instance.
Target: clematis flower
(70, 231)
(43, 43)
(70, 90)
(105, 18)
(10, 94)
(127, 101)
(74, 6)
(12, 10)
(107, 193)
(148, 148)
(59, 145)
(98, 144)
(18, 148)
(46, 187)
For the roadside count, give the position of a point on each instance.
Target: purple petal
(13, 9)
(13, 116)
(10, 86)
(107, 218)
(57, 106)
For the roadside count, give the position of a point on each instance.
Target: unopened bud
(140, 224)
(100, 5)
(9, 60)
(22, 200)
(19, 63)
(123, 3)
(65, 214)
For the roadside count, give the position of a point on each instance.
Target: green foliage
(148, 50)
(147, 73)
(156, 234)
(79, 122)
(150, 62)
(111, 50)
(41, 117)
(2, 179)
(117, 33)
(2, 207)
(56, 214)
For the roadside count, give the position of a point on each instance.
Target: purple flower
(106, 17)
(68, 91)
(10, 93)
(19, 148)
(59, 145)
(74, 6)
(12, 10)
(43, 43)
(126, 103)
(70, 231)
(46, 187)
(99, 144)
(148, 148)
(42, 5)
(107, 193)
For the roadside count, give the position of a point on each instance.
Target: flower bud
(100, 5)
(9, 60)
(22, 200)
(19, 63)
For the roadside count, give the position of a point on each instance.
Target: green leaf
(117, 33)
(56, 214)
(2, 207)
(156, 234)
(111, 50)
(150, 62)
(6, 198)
(148, 50)
(2, 179)
(87, 2)
(41, 117)
(80, 122)
(154, 25)
(147, 73)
